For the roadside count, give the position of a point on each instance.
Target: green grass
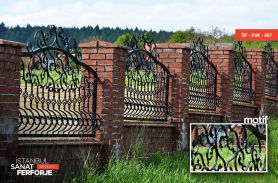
(258, 44)
(198, 78)
(43, 78)
(140, 79)
(227, 155)
(162, 168)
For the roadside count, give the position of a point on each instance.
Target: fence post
(222, 57)
(177, 58)
(109, 60)
(9, 105)
(256, 58)
(271, 103)
(275, 55)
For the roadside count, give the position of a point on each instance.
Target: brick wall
(176, 57)
(241, 111)
(256, 58)
(71, 156)
(147, 138)
(9, 104)
(205, 117)
(275, 55)
(222, 58)
(10, 145)
(271, 105)
(109, 60)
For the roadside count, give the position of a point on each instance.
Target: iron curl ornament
(227, 148)
(243, 90)
(53, 38)
(203, 78)
(58, 92)
(146, 82)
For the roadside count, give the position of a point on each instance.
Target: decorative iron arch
(203, 78)
(58, 92)
(271, 72)
(146, 82)
(243, 91)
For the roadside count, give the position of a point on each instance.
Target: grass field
(42, 77)
(162, 168)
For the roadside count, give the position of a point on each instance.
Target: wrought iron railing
(146, 82)
(242, 86)
(203, 79)
(58, 92)
(271, 72)
(228, 147)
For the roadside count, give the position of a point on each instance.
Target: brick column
(275, 55)
(222, 58)
(9, 105)
(109, 60)
(177, 58)
(256, 58)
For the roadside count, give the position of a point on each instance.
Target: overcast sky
(145, 14)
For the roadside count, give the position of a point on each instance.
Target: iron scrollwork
(203, 78)
(228, 148)
(243, 91)
(58, 92)
(271, 72)
(146, 82)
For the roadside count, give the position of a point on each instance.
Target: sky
(170, 15)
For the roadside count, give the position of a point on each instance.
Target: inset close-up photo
(228, 147)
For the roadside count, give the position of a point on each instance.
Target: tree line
(81, 34)
(121, 36)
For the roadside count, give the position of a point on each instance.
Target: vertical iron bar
(167, 96)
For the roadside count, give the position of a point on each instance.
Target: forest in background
(120, 36)
(81, 34)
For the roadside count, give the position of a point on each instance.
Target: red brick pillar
(177, 58)
(109, 60)
(275, 55)
(222, 58)
(9, 105)
(256, 58)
